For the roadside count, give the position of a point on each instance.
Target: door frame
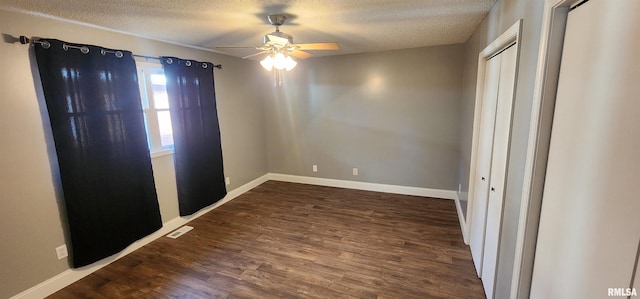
(554, 20)
(506, 39)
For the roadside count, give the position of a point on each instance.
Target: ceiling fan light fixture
(279, 61)
(267, 63)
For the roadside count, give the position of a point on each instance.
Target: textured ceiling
(357, 25)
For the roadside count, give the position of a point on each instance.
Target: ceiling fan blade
(277, 40)
(233, 47)
(256, 54)
(318, 46)
(300, 54)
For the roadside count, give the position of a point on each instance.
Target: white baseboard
(426, 192)
(465, 237)
(70, 276)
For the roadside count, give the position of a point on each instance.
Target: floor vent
(179, 232)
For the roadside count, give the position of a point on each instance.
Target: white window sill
(161, 153)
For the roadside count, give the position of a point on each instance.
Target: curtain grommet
(204, 65)
(187, 63)
(83, 49)
(117, 54)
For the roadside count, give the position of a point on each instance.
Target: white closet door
(483, 168)
(498, 168)
(590, 218)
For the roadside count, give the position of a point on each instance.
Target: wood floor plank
(285, 240)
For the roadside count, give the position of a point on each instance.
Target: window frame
(152, 125)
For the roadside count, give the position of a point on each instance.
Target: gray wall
(394, 115)
(30, 218)
(504, 14)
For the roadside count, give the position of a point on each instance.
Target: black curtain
(196, 133)
(97, 122)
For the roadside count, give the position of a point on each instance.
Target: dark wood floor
(284, 240)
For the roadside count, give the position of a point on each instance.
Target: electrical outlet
(61, 251)
(227, 181)
(315, 168)
(355, 171)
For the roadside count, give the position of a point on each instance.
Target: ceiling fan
(279, 47)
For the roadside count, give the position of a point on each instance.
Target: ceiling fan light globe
(290, 63)
(267, 63)
(280, 61)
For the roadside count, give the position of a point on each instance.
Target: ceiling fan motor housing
(266, 39)
(277, 20)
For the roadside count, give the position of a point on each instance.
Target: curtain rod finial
(10, 39)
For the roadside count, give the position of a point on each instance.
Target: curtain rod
(25, 40)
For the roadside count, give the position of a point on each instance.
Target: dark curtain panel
(196, 133)
(98, 129)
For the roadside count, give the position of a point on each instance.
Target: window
(155, 104)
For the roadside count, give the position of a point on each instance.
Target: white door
(498, 168)
(590, 217)
(485, 151)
